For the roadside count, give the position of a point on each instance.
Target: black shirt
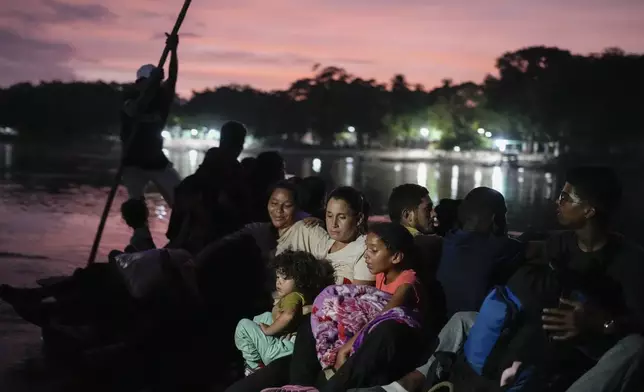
(611, 278)
(146, 149)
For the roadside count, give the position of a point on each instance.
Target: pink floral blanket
(341, 311)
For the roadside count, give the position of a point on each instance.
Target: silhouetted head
(217, 164)
(232, 138)
(347, 214)
(135, 213)
(313, 190)
(446, 216)
(283, 205)
(269, 167)
(411, 206)
(248, 165)
(484, 210)
(590, 195)
(295, 180)
(389, 246)
(144, 73)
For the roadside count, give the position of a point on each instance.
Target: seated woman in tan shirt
(343, 241)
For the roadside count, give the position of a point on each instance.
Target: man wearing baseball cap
(143, 118)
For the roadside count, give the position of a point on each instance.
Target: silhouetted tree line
(541, 94)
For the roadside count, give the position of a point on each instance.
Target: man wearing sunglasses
(601, 275)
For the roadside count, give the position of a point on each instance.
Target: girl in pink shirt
(390, 256)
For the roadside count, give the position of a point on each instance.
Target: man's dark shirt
(472, 263)
(611, 278)
(146, 150)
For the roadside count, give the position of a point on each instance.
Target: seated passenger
(446, 216)
(135, 214)
(269, 336)
(411, 206)
(343, 241)
(480, 255)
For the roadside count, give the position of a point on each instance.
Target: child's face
(284, 286)
(379, 259)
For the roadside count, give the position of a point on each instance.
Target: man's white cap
(145, 71)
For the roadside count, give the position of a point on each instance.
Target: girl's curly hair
(311, 275)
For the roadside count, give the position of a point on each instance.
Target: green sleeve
(292, 302)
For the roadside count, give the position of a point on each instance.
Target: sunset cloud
(269, 44)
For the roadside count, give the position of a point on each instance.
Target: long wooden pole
(126, 148)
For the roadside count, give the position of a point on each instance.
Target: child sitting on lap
(269, 336)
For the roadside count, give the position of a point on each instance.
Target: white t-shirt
(348, 262)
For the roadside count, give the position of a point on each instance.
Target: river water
(51, 200)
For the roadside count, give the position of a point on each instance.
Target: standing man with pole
(144, 160)
(133, 109)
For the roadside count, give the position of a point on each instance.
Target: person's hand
(343, 355)
(577, 318)
(288, 336)
(510, 373)
(312, 222)
(172, 41)
(264, 327)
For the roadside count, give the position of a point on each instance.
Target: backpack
(508, 329)
(499, 319)
(478, 366)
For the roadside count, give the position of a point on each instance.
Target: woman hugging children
(300, 277)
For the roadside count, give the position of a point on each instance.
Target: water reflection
(421, 174)
(7, 152)
(498, 182)
(348, 175)
(192, 157)
(522, 188)
(454, 183)
(317, 165)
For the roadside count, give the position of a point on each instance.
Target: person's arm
(363, 282)
(291, 305)
(280, 324)
(173, 69)
(405, 294)
(314, 240)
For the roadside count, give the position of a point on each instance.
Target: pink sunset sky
(270, 43)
